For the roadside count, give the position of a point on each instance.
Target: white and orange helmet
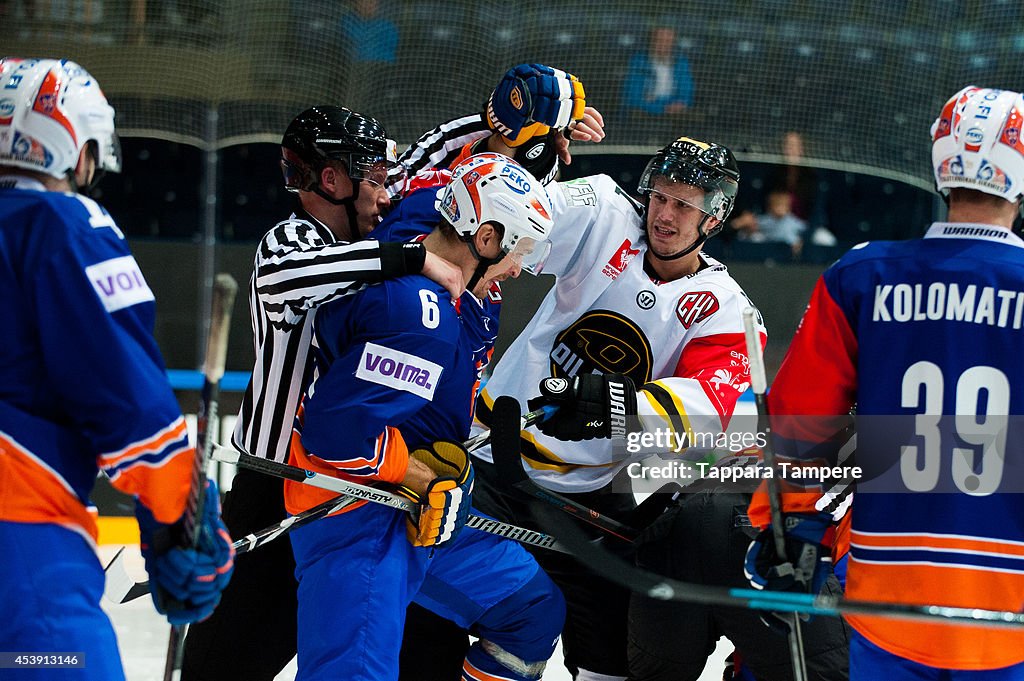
(49, 110)
(977, 143)
(493, 188)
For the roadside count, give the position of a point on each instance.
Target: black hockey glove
(589, 406)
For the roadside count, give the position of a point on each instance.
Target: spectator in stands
(368, 34)
(799, 181)
(658, 84)
(777, 223)
(370, 43)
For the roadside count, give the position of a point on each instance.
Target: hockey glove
(589, 406)
(809, 538)
(444, 507)
(531, 99)
(186, 582)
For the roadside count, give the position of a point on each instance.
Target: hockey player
(82, 388)
(333, 161)
(923, 336)
(336, 162)
(396, 374)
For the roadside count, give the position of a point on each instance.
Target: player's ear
(85, 169)
(487, 240)
(335, 181)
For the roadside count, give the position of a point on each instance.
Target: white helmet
(49, 110)
(977, 143)
(494, 188)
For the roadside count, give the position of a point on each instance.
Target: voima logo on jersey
(696, 306)
(119, 283)
(399, 370)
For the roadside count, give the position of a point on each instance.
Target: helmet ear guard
(977, 143)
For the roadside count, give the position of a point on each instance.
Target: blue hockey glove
(588, 405)
(186, 582)
(444, 507)
(809, 539)
(532, 99)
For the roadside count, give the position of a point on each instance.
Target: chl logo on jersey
(696, 306)
(603, 342)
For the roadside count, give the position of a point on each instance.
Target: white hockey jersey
(681, 340)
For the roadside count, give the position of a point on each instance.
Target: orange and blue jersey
(393, 371)
(924, 337)
(82, 382)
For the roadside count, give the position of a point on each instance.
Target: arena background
(203, 91)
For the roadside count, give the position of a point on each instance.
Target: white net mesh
(860, 79)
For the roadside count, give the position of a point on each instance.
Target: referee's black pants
(252, 632)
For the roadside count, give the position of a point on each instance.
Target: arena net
(860, 80)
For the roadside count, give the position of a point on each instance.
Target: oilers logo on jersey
(602, 341)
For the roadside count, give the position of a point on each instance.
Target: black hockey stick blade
(505, 444)
(642, 581)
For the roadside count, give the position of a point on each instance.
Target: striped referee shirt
(299, 265)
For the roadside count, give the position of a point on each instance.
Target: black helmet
(324, 133)
(706, 165)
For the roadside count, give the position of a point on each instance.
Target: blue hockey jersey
(413, 218)
(925, 338)
(394, 370)
(82, 382)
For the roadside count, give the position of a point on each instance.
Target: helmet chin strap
(702, 236)
(482, 264)
(350, 207)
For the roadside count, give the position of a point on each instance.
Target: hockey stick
(507, 459)
(378, 496)
(122, 589)
(658, 587)
(224, 290)
(759, 384)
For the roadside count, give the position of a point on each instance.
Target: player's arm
(295, 270)
(95, 318)
(811, 399)
(525, 118)
(95, 314)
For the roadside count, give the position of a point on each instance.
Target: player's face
(506, 268)
(673, 216)
(372, 201)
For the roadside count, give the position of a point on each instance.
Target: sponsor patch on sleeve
(119, 283)
(399, 370)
